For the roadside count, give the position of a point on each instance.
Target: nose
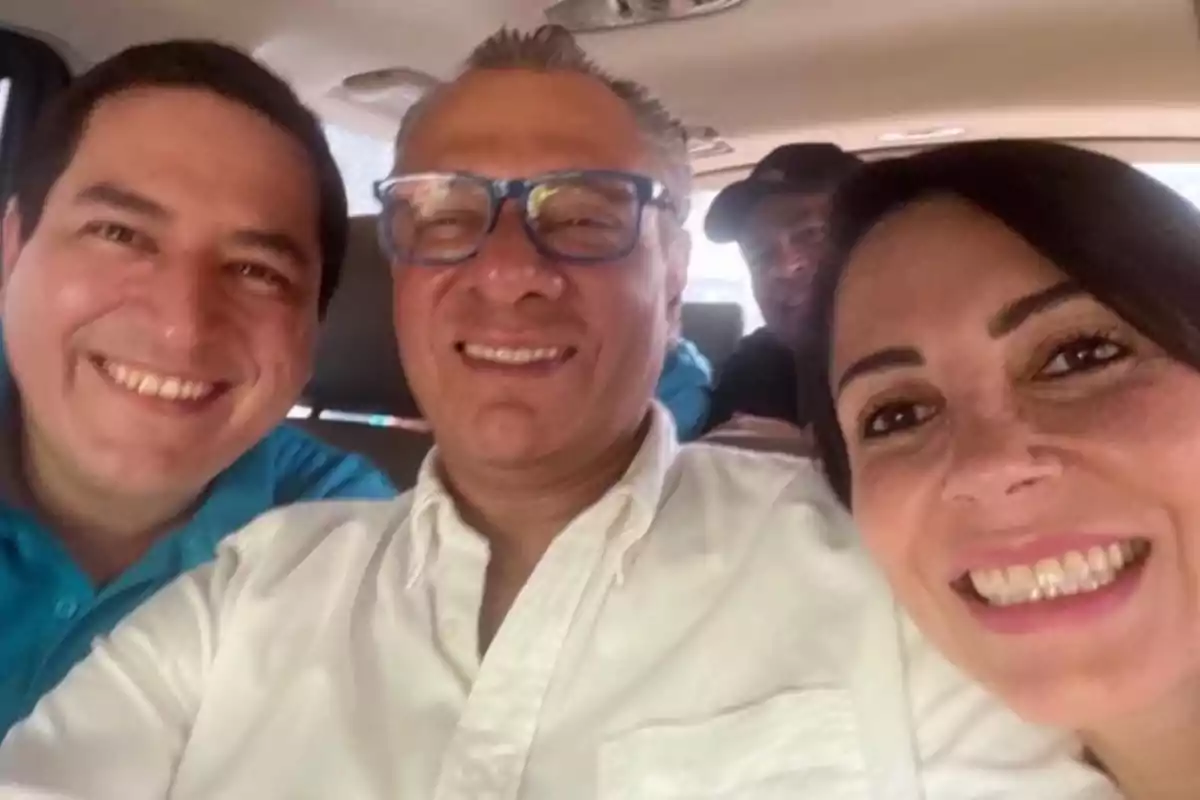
(994, 457)
(797, 260)
(509, 269)
(185, 303)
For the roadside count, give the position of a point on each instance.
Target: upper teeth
(512, 355)
(1072, 573)
(154, 385)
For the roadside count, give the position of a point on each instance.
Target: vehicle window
(362, 160)
(4, 84)
(1183, 177)
(379, 420)
(717, 273)
(31, 72)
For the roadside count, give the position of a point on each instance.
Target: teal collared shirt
(685, 388)
(50, 611)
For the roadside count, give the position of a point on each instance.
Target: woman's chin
(1092, 702)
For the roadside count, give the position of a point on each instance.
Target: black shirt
(760, 378)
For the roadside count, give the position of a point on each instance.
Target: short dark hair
(1122, 236)
(552, 48)
(187, 64)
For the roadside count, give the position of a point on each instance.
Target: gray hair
(552, 48)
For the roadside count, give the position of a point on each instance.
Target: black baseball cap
(790, 169)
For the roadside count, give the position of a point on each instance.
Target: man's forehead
(132, 119)
(116, 126)
(161, 139)
(123, 118)
(560, 118)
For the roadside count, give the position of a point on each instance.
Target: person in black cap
(778, 217)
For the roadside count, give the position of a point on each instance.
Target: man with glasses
(590, 216)
(569, 604)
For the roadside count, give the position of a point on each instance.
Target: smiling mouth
(157, 385)
(515, 356)
(1070, 574)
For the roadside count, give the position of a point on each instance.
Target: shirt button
(66, 608)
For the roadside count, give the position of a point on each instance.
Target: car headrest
(715, 328)
(397, 452)
(358, 364)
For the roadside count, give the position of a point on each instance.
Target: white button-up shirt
(709, 629)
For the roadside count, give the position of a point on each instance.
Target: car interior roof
(863, 73)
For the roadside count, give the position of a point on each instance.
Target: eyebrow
(1009, 318)
(276, 242)
(879, 361)
(1018, 312)
(110, 194)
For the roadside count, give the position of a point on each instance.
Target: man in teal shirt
(176, 233)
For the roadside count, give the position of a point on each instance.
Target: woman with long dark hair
(1011, 409)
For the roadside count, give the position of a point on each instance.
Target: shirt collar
(239, 493)
(643, 483)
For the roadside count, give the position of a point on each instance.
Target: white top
(709, 629)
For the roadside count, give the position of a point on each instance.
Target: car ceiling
(766, 72)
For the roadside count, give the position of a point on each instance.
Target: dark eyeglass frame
(649, 192)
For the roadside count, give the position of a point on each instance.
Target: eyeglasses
(441, 218)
